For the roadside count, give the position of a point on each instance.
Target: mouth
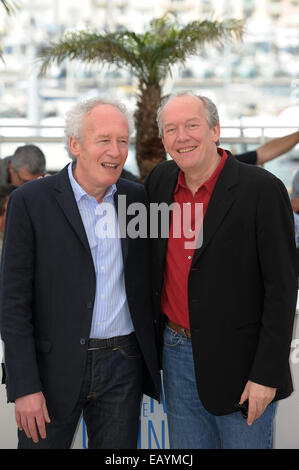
(110, 166)
(186, 149)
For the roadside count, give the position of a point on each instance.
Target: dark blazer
(242, 284)
(47, 293)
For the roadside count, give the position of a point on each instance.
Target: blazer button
(89, 305)
(157, 293)
(82, 341)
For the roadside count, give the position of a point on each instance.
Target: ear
(74, 146)
(216, 132)
(10, 169)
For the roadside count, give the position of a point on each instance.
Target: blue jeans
(110, 399)
(190, 425)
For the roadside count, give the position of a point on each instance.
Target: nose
(114, 149)
(182, 135)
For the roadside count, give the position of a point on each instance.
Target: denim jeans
(190, 425)
(110, 400)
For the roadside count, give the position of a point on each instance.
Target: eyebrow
(101, 136)
(197, 118)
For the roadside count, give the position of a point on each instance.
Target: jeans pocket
(172, 339)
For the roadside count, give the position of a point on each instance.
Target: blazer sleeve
(16, 292)
(277, 256)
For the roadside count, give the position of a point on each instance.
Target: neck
(196, 177)
(98, 192)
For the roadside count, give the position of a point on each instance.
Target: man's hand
(258, 397)
(31, 415)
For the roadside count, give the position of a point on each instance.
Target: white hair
(75, 116)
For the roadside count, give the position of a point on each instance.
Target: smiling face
(101, 150)
(187, 136)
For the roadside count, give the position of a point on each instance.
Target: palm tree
(148, 56)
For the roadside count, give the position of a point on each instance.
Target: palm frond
(166, 43)
(9, 5)
(111, 48)
(149, 55)
(178, 44)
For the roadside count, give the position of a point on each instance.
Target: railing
(244, 135)
(242, 138)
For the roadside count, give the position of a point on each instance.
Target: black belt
(98, 343)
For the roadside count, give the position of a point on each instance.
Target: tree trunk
(149, 147)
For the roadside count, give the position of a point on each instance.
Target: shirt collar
(79, 192)
(211, 181)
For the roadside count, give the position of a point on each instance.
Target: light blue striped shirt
(111, 315)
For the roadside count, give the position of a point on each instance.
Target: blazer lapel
(221, 201)
(65, 198)
(167, 197)
(124, 239)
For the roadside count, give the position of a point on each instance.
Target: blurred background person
(272, 149)
(26, 164)
(5, 191)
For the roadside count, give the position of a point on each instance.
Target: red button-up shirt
(174, 298)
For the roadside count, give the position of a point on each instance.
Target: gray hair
(75, 116)
(30, 157)
(210, 108)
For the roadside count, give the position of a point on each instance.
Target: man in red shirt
(224, 308)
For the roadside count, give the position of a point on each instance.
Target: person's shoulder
(125, 185)
(162, 174)
(164, 167)
(257, 172)
(261, 180)
(130, 184)
(133, 190)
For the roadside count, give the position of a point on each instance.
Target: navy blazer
(47, 292)
(242, 285)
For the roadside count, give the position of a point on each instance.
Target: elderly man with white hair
(75, 306)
